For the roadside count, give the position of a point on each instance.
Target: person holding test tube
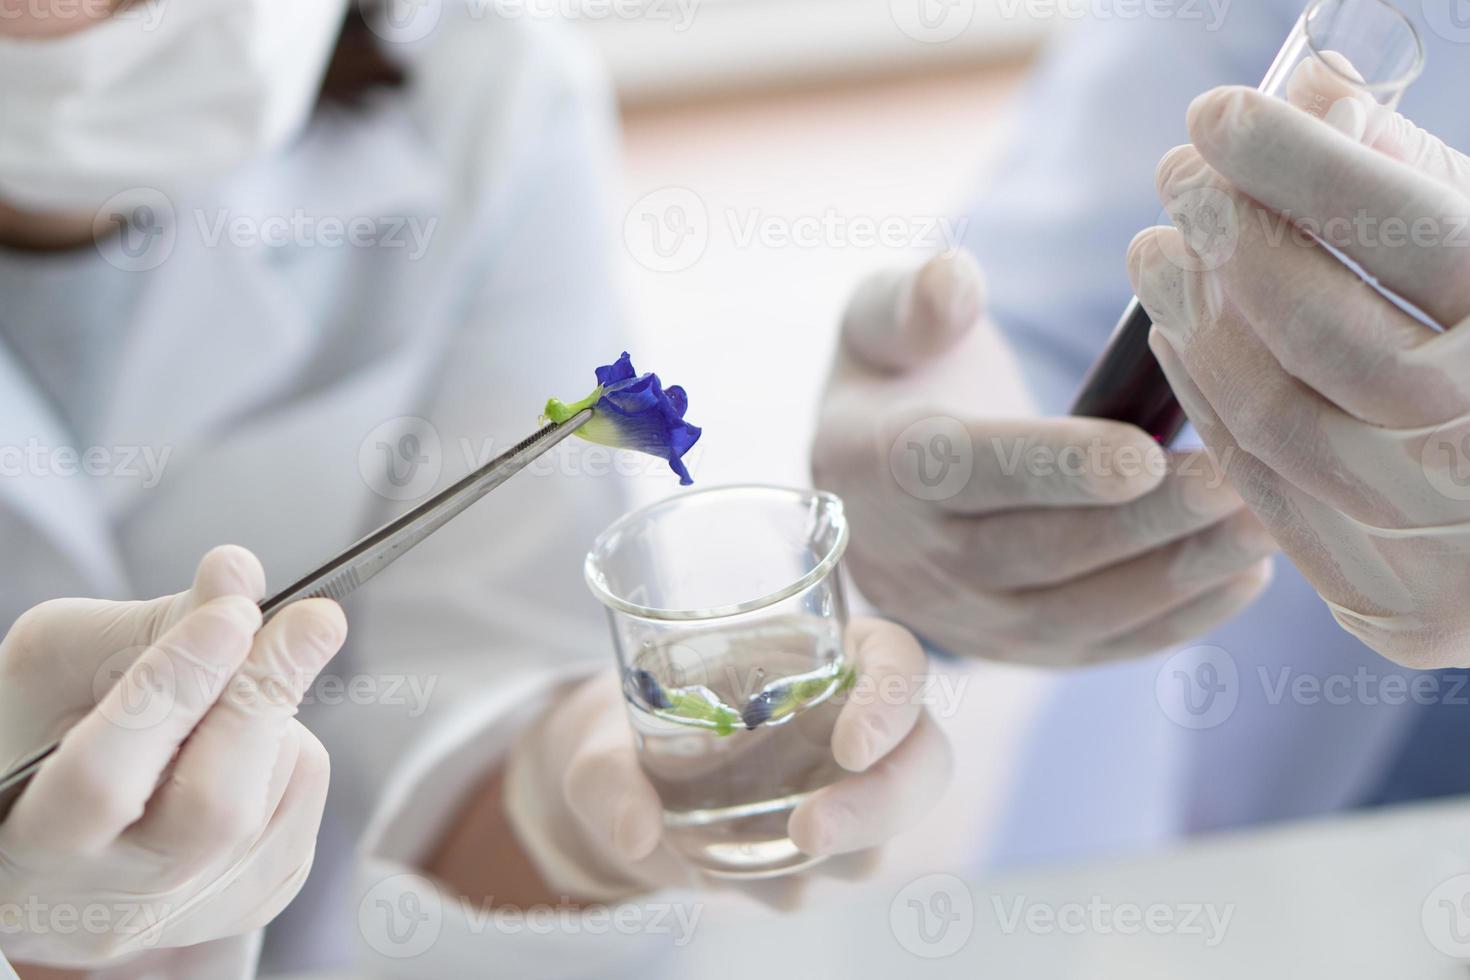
(1341, 416)
(1352, 404)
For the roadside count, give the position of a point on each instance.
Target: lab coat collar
(263, 304)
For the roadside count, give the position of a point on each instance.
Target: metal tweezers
(345, 573)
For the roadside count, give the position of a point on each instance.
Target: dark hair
(358, 66)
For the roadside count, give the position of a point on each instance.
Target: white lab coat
(1107, 767)
(262, 372)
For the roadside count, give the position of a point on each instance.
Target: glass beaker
(728, 616)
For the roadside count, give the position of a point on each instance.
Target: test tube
(1365, 49)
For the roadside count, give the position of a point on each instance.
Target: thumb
(607, 790)
(90, 630)
(899, 319)
(227, 570)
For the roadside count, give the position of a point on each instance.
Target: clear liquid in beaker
(734, 729)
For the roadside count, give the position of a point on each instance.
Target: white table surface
(1384, 896)
(1366, 896)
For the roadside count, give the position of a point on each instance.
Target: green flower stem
(696, 708)
(559, 411)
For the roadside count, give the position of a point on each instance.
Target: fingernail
(328, 625)
(1348, 117)
(314, 634)
(234, 570)
(958, 286)
(855, 754)
(1173, 170)
(1137, 257)
(832, 826)
(1204, 490)
(1196, 116)
(1209, 114)
(1157, 342)
(946, 301)
(1204, 497)
(1143, 256)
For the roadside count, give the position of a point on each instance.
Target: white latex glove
(1343, 421)
(1055, 541)
(183, 803)
(592, 822)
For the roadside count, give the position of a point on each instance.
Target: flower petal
(619, 370)
(634, 411)
(678, 399)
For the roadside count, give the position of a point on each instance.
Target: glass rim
(1391, 85)
(820, 570)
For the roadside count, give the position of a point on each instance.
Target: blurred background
(777, 151)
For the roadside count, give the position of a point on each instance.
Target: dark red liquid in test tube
(1126, 383)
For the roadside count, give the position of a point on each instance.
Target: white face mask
(167, 92)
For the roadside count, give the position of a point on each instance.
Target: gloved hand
(1342, 420)
(592, 823)
(1054, 541)
(183, 803)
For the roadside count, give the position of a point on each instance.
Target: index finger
(74, 632)
(1406, 228)
(984, 466)
(106, 768)
(222, 779)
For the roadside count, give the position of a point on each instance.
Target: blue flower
(634, 411)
